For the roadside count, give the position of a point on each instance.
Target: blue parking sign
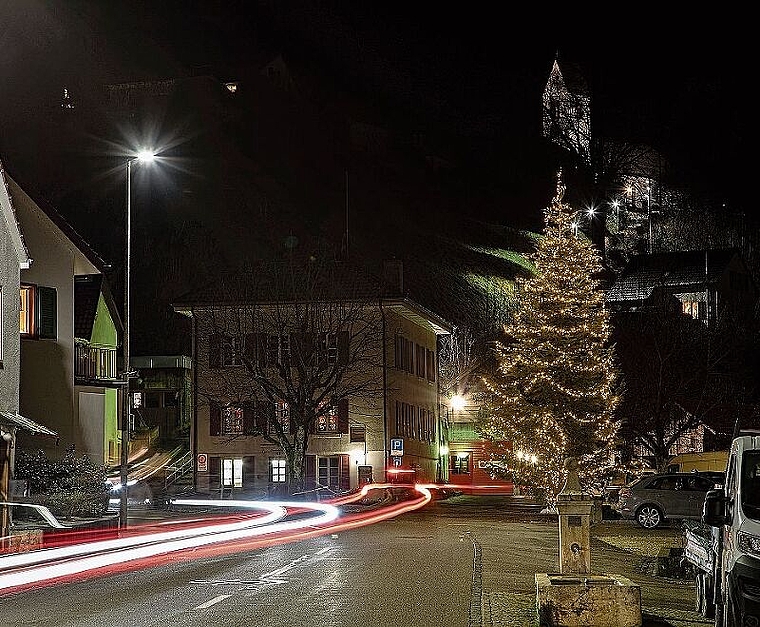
(397, 447)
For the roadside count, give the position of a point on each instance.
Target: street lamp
(143, 156)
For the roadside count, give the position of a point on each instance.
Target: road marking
(213, 601)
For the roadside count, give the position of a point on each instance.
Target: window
(26, 310)
(327, 422)
(232, 351)
(430, 358)
(329, 472)
(333, 418)
(38, 312)
(277, 470)
(232, 473)
(232, 420)
(460, 464)
(404, 354)
(282, 415)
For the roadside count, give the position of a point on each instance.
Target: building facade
(69, 330)
(382, 421)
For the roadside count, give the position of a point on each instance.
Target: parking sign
(397, 447)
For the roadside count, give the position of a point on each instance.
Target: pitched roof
(680, 269)
(56, 218)
(6, 209)
(572, 77)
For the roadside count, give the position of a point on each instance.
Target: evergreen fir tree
(555, 391)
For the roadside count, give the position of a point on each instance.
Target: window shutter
(214, 350)
(311, 471)
(344, 473)
(249, 471)
(264, 413)
(249, 350)
(343, 415)
(249, 419)
(261, 350)
(343, 345)
(215, 419)
(47, 311)
(214, 472)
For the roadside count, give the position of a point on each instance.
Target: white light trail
(105, 553)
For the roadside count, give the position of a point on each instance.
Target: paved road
(458, 563)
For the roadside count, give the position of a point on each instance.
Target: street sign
(202, 462)
(397, 447)
(397, 462)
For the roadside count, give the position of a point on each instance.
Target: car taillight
(625, 493)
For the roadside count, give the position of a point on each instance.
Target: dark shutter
(214, 472)
(47, 312)
(264, 413)
(249, 419)
(249, 350)
(343, 415)
(214, 350)
(344, 473)
(215, 419)
(249, 471)
(343, 345)
(261, 350)
(311, 472)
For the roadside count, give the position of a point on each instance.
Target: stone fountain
(575, 596)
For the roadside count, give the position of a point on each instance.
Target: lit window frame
(27, 318)
(232, 420)
(278, 470)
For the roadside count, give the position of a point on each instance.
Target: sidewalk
(524, 542)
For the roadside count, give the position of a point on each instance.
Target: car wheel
(649, 516)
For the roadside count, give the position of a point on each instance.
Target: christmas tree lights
(555, 391)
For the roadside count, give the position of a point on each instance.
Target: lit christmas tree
(555, 391)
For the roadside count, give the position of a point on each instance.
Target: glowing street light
(143, 156)
(457, 402)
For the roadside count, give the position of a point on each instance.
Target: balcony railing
(94, 363)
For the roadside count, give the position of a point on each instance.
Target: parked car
(655, 498)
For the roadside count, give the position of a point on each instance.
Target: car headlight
(748, 544)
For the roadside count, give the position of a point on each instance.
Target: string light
(555, 390)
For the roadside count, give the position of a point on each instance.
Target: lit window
(231, 87)
(327, 421)
(282, 415)
(232, 420)
(277, 471)
(232, 473)
(26, 310)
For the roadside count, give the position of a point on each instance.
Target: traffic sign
(202, 462)
(397, 447)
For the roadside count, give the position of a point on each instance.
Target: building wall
(10, 350)
(47, 365)
(375, 412)
(420, 454)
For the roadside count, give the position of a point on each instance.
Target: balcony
(94, 363)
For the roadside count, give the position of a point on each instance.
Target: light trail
(21, 571)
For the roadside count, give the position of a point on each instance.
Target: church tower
(567, 110)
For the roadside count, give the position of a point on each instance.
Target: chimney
(393, 276)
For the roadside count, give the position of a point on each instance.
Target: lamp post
(144, 156)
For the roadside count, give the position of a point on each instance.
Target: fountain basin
(581, 600)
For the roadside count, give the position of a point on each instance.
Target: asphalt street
(462, 562)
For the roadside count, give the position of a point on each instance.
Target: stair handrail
(183, 465)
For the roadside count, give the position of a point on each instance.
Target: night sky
(678, 82)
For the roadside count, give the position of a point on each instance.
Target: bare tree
(677, 373)
(290, 343)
